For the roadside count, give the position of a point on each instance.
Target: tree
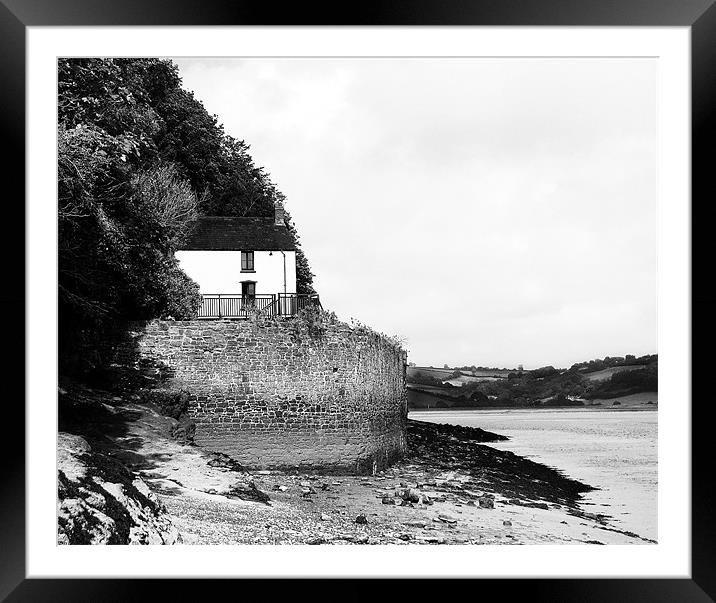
(138, 159)
(122, 211)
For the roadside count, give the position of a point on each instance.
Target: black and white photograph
(357, 292)
(357, 301)
(349, 301)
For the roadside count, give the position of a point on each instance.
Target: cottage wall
(281, 395)
(220, 271)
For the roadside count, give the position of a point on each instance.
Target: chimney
(278, 209)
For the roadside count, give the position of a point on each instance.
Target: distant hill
(584, 383)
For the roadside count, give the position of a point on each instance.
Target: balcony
(215, 305)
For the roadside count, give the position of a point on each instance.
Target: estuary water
(615, 451)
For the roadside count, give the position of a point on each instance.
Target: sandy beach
(451, 488)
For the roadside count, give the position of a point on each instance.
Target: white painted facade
(220, 271)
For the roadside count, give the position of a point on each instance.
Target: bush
(171, 403)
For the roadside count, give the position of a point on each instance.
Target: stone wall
(283, 393)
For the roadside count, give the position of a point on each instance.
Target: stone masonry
(276, 395)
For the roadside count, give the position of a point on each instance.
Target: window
(247, 261)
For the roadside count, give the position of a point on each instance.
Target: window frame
(247, 261)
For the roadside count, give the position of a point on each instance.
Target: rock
(361, 520)
(415, 524)
(406, 503)
(304, 484)
(387, 500)
(411, 495)
(426, 500)
(325, 517)
(507, 523)
(318, 540)
(470, 503)
(360, 539)
(445, 518)
(486, 502)
(102, 502)
(406, 536)
(249, 491)
(536, 505)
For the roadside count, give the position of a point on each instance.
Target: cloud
(493, 211)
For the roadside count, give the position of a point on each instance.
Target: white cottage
(243, 264)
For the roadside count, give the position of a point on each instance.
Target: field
(460, 381)
(607, 373)
(639, 400)
(438, 373)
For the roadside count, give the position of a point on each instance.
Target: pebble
(316, 541)
(361, 520)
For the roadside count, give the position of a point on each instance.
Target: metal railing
(220, 305)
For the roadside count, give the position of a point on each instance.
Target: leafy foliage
(139, 158)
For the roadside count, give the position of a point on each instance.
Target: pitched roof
(229, 234)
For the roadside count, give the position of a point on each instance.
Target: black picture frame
(699, 15)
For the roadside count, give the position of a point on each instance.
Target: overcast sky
(490, 211)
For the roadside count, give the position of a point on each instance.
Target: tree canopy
(139, 159)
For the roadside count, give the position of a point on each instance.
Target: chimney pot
(279, 214)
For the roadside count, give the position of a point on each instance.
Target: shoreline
(594, 408)
(452, 487)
